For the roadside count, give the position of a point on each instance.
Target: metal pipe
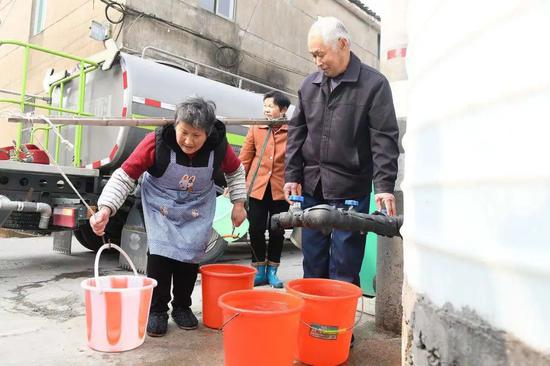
(135, 122)
(327, 218)
(241, 78)
(45, 210)
(29, 96)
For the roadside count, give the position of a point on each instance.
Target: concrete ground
(42, 314)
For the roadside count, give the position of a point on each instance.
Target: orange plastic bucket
(260, 327)
(218, 279)
(117, 308)
(327, 319)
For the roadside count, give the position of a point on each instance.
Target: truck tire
(215, 248)
(87, 238)
(113, 232)
(90, 240)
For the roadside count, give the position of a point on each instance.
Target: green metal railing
(85, 66)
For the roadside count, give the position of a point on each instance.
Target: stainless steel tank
(139, 87)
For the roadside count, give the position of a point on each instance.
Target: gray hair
(331, 30)
(197, 112)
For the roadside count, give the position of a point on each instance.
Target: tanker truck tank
(139, 87)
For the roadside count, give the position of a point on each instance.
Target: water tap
(296, 202)
(352, 204)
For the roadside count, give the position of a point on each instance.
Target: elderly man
(342, 138)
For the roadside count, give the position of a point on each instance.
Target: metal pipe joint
(327, 218)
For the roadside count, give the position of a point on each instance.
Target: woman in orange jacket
(266, 194)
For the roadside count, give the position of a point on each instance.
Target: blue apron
(179, 209)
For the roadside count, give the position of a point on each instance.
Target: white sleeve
(119, 186)
(236, 183)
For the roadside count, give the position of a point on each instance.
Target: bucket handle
(109, 246)
(220, 329)
(339, 330)
(230, 236)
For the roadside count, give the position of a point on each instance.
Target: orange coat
(272, 168)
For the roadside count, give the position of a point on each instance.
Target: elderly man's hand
(292, 189)
(238, 214)
(388, 200)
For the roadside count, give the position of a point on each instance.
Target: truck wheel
(113, 231)
(215, 248)
(90, 240)
(87, 238)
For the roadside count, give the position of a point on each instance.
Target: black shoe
(352, 340)
(157, 324)
(184, 318)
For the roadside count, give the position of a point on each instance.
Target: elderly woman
(178, 163)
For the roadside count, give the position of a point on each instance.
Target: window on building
(39, 16)
(224, 8)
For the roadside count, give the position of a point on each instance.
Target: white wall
(477, 187)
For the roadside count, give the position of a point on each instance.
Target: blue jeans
(338, 255)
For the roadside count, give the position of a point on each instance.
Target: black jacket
(347, 138)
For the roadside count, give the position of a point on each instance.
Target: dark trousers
(165, 271)
(338, 255)
(259, 216)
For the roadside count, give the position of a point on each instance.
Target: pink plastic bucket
(117, 308)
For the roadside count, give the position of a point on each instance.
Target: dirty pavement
(42, 314)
